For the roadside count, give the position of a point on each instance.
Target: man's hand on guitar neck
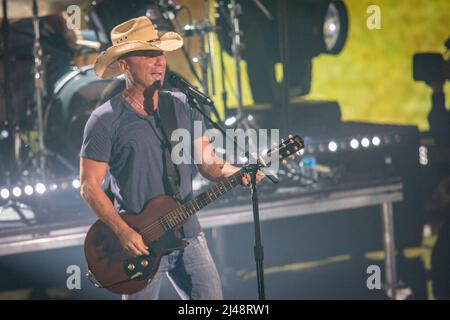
(246, 179)
(213, 167)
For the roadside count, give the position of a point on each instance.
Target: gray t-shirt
(131, 144)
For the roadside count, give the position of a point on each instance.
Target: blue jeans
(192, 272)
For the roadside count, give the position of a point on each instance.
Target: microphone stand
(252, 169)
(258, 249)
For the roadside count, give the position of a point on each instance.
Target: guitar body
(112, 267)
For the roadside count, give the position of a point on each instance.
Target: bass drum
(75, 96)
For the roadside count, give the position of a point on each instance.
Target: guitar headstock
(287, 149)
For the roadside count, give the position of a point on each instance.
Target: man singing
(126, 136)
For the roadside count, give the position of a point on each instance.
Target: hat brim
(106, 65)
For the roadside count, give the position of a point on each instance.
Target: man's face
(144, 68)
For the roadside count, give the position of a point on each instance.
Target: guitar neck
(178, 216)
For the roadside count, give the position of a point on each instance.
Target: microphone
(185, 87)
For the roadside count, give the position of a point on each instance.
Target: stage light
(40, 188)
(4, 134)
(320, 26)
(335, 27)
(53, 187)
(376, 141)
(365, 142)
(423, 155)
(230, 121)
(196, 184)
(354, 144)
(332, 146)
(332, 27)
(76, 183)
(243, 159)
(17, 192)
(4, 193)
(28, 190)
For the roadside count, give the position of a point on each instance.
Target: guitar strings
(154, 226)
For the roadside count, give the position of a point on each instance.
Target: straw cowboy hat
(133, 35)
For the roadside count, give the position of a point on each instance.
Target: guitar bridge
(136, 275)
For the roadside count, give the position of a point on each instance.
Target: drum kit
(43, 142)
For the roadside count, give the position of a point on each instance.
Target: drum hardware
(10, 132)
(230, 15)
(18, 9)
(204, 29)
(40, 91)
(207, 56)
(26, 9)
(263, 9)
(236, 47)
(89, 44)
(218, 6)
(28, 160)
(171, 19)
(93, 20)
(210, 40)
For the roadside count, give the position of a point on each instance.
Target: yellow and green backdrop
(372, 77)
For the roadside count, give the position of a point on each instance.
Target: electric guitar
(159, 225)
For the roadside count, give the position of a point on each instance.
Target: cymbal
(18, 9)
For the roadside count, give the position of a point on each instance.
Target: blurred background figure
(59, 45)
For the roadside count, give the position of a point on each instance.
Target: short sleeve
(96, 140)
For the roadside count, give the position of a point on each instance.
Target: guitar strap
(167, 121)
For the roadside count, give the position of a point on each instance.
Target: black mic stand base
(258, 248)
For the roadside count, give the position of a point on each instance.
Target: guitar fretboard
(178, 216)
